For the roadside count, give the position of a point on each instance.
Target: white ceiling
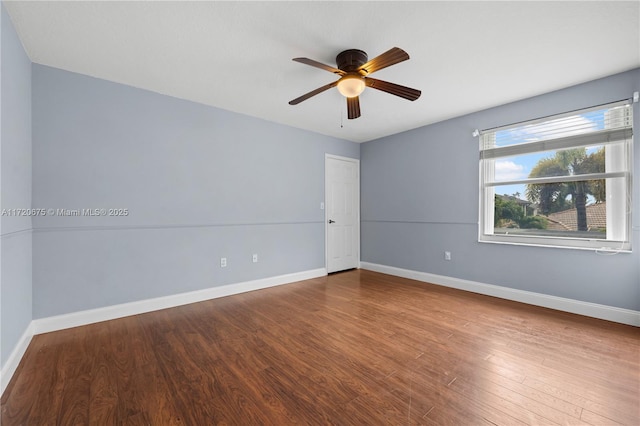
(465, 56)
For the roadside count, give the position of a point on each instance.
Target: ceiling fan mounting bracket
(350, 60)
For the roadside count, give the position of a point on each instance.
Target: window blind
(602, 125)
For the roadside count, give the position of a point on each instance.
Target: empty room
(312, 212)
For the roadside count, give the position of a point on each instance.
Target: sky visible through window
(519, 167)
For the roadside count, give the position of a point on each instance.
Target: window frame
(618, 181)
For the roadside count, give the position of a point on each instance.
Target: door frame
(326, 218)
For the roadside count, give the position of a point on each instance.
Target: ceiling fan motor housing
(350, 60)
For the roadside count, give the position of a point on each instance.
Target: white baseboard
(75, 319)
(609, 313)
(14, 359)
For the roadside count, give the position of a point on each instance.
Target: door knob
(332, 221)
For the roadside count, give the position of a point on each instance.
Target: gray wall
(15, 188)
(199, 183)
(420, 197)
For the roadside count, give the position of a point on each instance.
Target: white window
(561, 181)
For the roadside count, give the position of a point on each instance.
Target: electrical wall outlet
(447, 255)
(255, 258)
(223, 262)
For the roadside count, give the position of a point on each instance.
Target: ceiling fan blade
(353, 108)
(388, 58)
(319, 65)
(306, 96)
(394, 89)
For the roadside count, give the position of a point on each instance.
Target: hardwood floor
(355, 348)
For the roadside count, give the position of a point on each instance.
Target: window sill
(594, 246)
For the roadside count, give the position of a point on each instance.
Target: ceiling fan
(353, 69)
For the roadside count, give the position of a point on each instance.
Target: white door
(342, 198)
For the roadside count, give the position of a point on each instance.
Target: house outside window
(560, 181)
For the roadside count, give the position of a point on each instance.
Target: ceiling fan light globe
(351, 86)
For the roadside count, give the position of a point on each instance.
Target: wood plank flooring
(354, 348)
